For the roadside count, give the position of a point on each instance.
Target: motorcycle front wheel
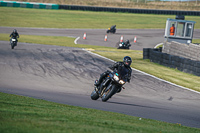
(94, 95)
(108, 94)
(12, 46)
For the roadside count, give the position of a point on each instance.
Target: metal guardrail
(29, 5)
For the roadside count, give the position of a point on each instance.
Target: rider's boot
(98, 82)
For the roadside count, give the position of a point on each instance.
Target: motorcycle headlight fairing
(121, 82)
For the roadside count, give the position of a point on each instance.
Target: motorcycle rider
(112, 27)
(14, 35)
(126, 43)
(125, 65)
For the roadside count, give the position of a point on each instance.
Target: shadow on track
(120, 103)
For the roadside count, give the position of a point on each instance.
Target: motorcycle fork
(103, 86)
(106, 82)
(106, 89)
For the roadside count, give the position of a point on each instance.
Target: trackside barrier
(172, 61)
(28, 5)
(129, 10)
(191, 51)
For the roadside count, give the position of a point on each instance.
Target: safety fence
(129, 10)
(29, 5)
(183, 64)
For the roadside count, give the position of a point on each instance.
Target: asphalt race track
(144, 38)
(66, 75)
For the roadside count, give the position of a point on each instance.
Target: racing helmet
(127, 41)
(127, 61)
(15, 31)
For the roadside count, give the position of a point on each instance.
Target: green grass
(169, 74)
(22, 17)
(196, 41)
(20, 114)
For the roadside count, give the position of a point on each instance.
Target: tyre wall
(129, 10)
(183, 64)
(28, 5)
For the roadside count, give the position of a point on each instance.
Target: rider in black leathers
(14, 34)
(127, 43)
(125, 65)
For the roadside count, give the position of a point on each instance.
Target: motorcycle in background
(112, 29)
(124, 45)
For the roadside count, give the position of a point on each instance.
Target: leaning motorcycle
(13, 42)
(112, 29)
(110, 85)
(124, 45)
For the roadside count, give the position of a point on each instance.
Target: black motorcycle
(124, 45)
(110, 85)
(13, 42)
(112, 29)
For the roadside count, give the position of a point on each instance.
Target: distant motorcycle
(124, 45)
(112, 29)
(110, 85)
(13, 42)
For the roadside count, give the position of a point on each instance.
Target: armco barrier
(172, 61)
(29, 5)
(129, 10)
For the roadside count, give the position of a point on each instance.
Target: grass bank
(169, 74)
(22, 17)
(20, 114)
(143, 4)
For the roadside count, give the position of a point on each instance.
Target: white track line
(146, 73)
(158, 45)
(75, 41)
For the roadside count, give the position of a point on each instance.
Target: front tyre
(114, 31)
(108, 94)
(12, 45)
(94, 95)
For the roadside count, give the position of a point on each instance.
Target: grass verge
(22, 17)
(20, 114)
(166, 73)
